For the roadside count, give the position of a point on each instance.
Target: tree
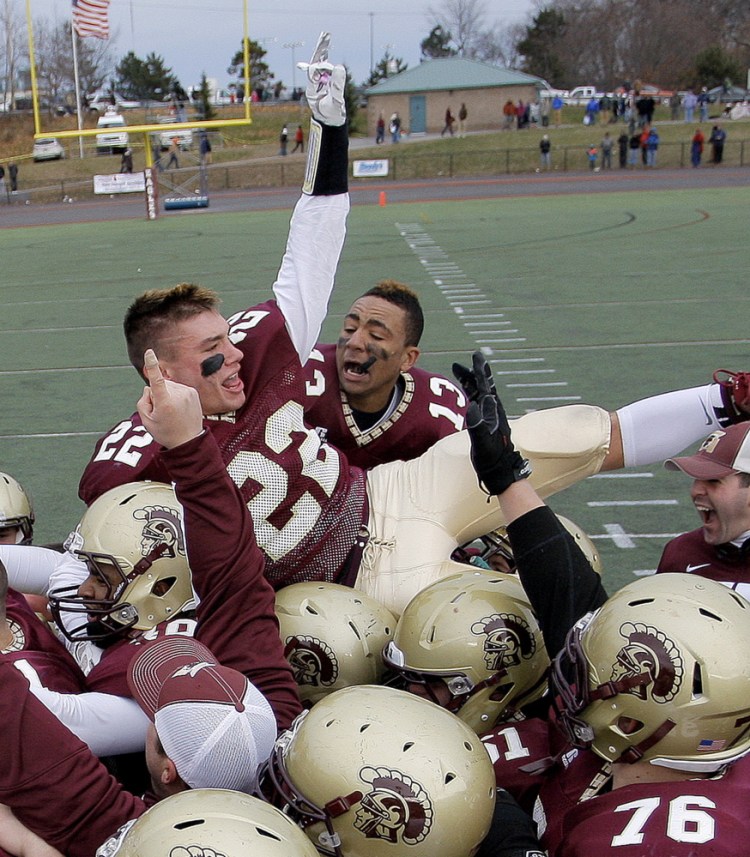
(541, 44)
(11, 50)
(715, 67)
(146, 79)
(437, 44)
(464, 20)
(54, 61)
(385, 68)
(203, 101)
(260, 74)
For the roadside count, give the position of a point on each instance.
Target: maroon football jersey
(51, 780)
(691, 554)
(512, 747)
(688, 818)
(306, 502)
(680, 819)
(235, 616)
(430, 407)
(36, 652)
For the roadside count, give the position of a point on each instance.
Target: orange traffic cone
(382, 198)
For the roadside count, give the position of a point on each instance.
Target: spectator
(606, 147)
(696, 147)
(622, 150)
(557, 106)
(717, 139)
(509, 114)
(463, 115)
(634, 147)
(13, 176)
(592, 153)
(652, 146)
(205, 147)
(126, 162)
(520, 115)
(675, 103)
(283, 139)
(644, 145)
(395, 127)
(689, 103)
(592, 111)
(544, 152)
(173, 150)
(380, 130)
(299, 140)
(605, 109)
(704, 99)
(449, 120)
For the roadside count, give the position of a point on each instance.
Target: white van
(113, 140)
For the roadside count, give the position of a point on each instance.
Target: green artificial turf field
(597, 298)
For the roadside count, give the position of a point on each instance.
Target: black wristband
(327, 171)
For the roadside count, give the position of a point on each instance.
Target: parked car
(583, 94)
(113, 140)
(727, 94)
(100, 102)
(184, 135)
(48, 149)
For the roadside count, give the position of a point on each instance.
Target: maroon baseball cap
(724, 452)
(214, 724)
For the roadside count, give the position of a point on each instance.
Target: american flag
(90, 18)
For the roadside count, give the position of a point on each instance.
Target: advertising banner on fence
(120, 183)
(363, 169)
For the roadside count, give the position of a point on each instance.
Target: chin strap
(636, 752)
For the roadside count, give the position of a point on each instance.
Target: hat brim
(155, 663)
(699, 467)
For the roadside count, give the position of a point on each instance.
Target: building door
(417, 114)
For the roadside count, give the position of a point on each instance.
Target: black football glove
(497, 462)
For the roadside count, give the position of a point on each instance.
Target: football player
(366, 396)
(388, 530)
(16, 513)
(720, 548)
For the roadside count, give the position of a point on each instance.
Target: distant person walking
(380, 130)
(205, 148)
(283, 140)
(606, 147)
(126, 161)
(696, 147)
(13, 176)
(463, 115)
(173, 150)
(449, 120)
(299, 140)
(395, 128)
(557, 106)
(622, 150)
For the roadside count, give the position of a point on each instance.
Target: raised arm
(558, 579)
(316, 234)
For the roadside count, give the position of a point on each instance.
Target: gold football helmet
(333, 636)
(16, 509)
(213, 822)
(372, 771)
(132, 539)
(660, 673)
(497, 543)
(477, 633)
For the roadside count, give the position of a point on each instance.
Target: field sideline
(601, 298)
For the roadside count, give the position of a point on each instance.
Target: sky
(195, 36)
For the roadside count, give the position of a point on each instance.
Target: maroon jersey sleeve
(689, 553)
(36, 652)
(127, 453)
(431, 407)
(681, 819)
(236, 616)
(51, 780)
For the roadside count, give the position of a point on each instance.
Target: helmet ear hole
(629, 725)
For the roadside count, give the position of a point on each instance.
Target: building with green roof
(421, 95)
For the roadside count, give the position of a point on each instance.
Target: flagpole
(79, 111)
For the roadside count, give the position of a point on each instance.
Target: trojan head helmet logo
(711, 442)
(161, 527)
(649, 651)
(396, 808)
(193, 851)
(313, 662)
(508, 640)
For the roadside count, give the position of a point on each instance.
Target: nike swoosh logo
(690, 568)
(709, 420)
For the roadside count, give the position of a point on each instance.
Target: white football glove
(325, 85)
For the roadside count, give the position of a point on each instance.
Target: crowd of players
(264, 597)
